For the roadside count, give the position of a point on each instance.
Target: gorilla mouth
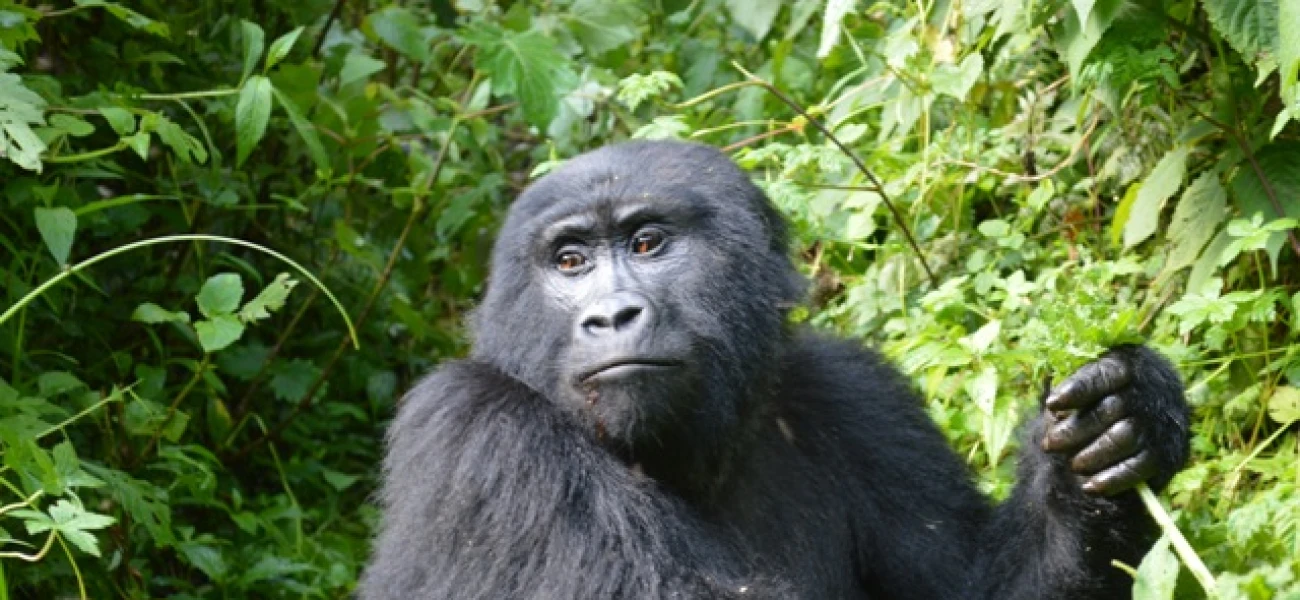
(625, 366)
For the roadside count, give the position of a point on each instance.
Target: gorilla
(637, 419)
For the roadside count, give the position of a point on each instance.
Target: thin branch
(1020, 177)
(416, 210)
(862, 167)
(329, 22)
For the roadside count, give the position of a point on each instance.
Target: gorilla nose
(618, 314)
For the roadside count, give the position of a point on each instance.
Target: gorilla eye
(647, 241)
(569, 261)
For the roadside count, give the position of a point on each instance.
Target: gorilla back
(637, 420)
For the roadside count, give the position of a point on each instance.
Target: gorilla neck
(696, 461)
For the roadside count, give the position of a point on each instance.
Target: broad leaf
(1288, 50)
(1164, 180)
(957, 80)
(754, 16)
(1079, 37)
(252, 113)
(254, 42)
(152, 313)
(526, 65)
(220, 295)
(602, 25)
(1200, 211)
(1281, 169)
(57, 226)
(1158, 573)
(358, 66)
(399, 29)
(1250, 26)
(218, 332)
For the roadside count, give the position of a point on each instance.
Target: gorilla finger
(1089, 384)
(1083, 426)
(1118, 442)
(1123, 476)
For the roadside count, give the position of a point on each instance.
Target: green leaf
(254, 42)
(1284, 405)
(120, 119)
(358, 66)
(1250, 26)
(205, 558)
(130, 17)
(754, 16)
(1158, 574)
(293, 379)
(1164, 180)
(53, 383)
(602, 25)
(836, 10)
(152, 313)
(305, 130)
(252, 112)
(399, 29)
(72, 125)
(281, 46)
(220, 295)
(1288, 50)
(20, 108)
(663, 128)
(139, 143)
(527, 65)
(1200, 211)
(185, 146)
(957, 80)
(218, 332)
(1079, 37)
(58, 226)
(1278, 163)
(637, 88)
(269, 300)
(1208, 263)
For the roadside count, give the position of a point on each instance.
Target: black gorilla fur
(637, 420)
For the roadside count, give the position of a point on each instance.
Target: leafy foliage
(1077, 173)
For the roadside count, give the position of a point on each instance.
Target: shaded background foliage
(189, 417)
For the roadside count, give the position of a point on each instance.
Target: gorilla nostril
(626, 316)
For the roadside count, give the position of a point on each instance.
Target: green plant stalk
(1181, 546)
(187, 237)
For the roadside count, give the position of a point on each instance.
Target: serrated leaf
(217, 333)
(293, 379)
(120, 119)
(1079, 37)
(185, 146)
(205, 558)
(1164, 180)
(1200, 211)
(1280, 166)
(269, 300)
(399, 29)
(220, 295)
(254, 40)
(1208, 263)
(602, 25)
(72, 125)
(527, 65)
(130, 17)
(281, 46)
(1288, 46)
(1250, 26)
(53, 383)
(20, 109)
(252, 113)
(754, 16)
(152, 313)
(305, 130)
(58, 227)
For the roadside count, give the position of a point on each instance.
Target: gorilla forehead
(597, 181)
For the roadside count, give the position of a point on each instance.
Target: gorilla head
(612, 292)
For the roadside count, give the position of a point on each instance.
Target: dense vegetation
(184, 413)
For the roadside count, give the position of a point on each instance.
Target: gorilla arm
(491, 493)
(1114, 423)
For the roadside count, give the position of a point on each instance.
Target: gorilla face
(622, 263)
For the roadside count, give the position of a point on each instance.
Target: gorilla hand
(1120, 421)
